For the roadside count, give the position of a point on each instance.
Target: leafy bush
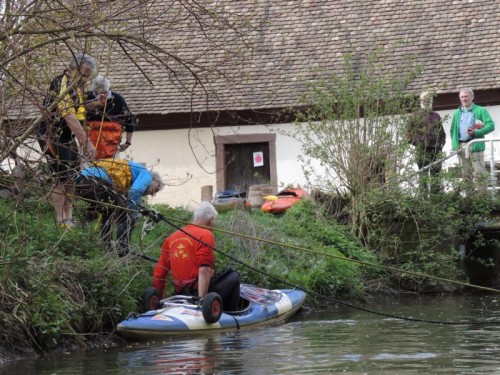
(58, 284)
(302, 248)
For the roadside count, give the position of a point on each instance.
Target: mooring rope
(358, 261)
(156, 216)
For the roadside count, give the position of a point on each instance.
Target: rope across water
(160, 217)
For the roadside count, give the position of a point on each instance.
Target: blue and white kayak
(178, 316)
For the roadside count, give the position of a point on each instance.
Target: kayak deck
(264, 307)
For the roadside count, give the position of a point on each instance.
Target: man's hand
(89, 151)
(147, 226)
(98, 102)
(124, 146)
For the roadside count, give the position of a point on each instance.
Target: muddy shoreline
(9, 356)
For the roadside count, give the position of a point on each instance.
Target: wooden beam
(269, 116)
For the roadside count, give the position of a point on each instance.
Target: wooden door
(242, 163)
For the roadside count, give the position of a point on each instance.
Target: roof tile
(283, 42)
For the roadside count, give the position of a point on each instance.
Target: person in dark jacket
(425, 131)
(62, 126)
(108, 116)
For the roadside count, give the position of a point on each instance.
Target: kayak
(179, 315)
(277, 204)
(229, 200)
(229, 204)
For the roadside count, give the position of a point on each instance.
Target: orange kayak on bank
(277, 204)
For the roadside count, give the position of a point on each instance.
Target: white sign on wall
(258, 159)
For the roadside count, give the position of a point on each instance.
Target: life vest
(119, 171)
(105, 136)
(80, 108)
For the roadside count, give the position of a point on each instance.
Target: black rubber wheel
(211, 308)
(150, 299)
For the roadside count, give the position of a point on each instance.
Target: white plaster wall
(186, 159)
(179, 153)
(176, 151)
(287, 151)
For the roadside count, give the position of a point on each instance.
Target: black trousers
(62, 159)
(426, 156)
(227, 285)
(105, 200)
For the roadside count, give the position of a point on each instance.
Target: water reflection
(338, 340)
(192, 355)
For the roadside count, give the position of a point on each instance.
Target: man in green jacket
(469, 122)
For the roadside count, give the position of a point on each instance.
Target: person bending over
(119, 184)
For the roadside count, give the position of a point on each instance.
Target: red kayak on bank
(277, 204)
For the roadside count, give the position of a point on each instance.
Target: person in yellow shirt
(61, 128)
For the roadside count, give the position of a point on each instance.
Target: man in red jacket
(188, 255)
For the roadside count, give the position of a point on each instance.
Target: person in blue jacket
(114, 188)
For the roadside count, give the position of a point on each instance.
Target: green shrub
(303, 248)
(57, 284)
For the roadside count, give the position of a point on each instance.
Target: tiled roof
(283, 43)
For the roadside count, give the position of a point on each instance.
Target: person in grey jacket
(425, 131)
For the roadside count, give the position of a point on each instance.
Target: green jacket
(480, 113)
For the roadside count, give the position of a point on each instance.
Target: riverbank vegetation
(60, 286)
(368, 230)
(358, 158)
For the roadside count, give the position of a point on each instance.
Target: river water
(337, 340)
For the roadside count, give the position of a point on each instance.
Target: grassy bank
(59, 287)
